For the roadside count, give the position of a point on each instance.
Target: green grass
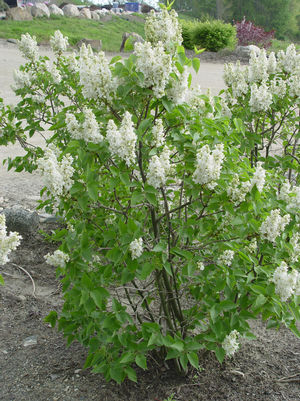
(109, 32)
(281, 45)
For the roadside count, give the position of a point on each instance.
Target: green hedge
(211, 35)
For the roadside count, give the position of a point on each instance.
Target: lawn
(110, 32)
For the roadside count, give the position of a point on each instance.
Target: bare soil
(267, 369)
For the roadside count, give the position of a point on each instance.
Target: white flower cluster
(260, 98)
(57, 174)
(163, 27)
(57, 259)
(226, 258)
(295, 242)
(291, 195)
(294, 83)
(159, 168)
(259, 66)
(95, 74)
(285, 282)
(235, 76)
(209, 165)
(38, 98)
(252, 247)
(156, 66)
(278, 87)
(158, 138)
(88, 130)
(274, 225)
(200, 266)
(230, 343)
(58, 42)
(122, 141)
(179, 88)
(259, 177)
(22, 79)
(289, 61)
(28, 47)
(55, 74)
(237, 190)
(8, 243)
(136, 248)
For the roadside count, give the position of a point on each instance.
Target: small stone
(15, 42)
(29, 341)
(21, 220)
(77, 371)
(54, 376)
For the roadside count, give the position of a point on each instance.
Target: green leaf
(127, 357)
(141, 361)
(99, 295)
(193, 359)
(117, 374)
(196, 64)
(131, 373)
(220, 354)
(51, 318)
(260, 301)
(1, 280)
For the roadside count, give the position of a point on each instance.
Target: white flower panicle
(22, 79)
(274, 225)
(260, 98)
(278, 87)
(55, 74)
(258, 66)
(289, 61)
(57, 259)
(57, 174)
(291, 195)
(159, 168)
(285, 282)
(235, 76)
(8, 243)
(136, 248)
(39, 98)
(209, 165)
(179, 90)
(95, 75)
(156, 66)
(88, 130)
(259, 177)
(163, 27)
(58, 42)
(226, 258)
(122, 142)
(295, 242)
(158, 138)
(294, 84)
(28, 47)
(230, 343)
(237, 190)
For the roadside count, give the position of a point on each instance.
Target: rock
(21, 220)
(94, 43)
(70, 10)
(244, 51)
(28, 341)
(14, 41)
(19, 14)
(95, 15)
(40, 10)
(54, 10)
(85, 13)
(135, 38)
